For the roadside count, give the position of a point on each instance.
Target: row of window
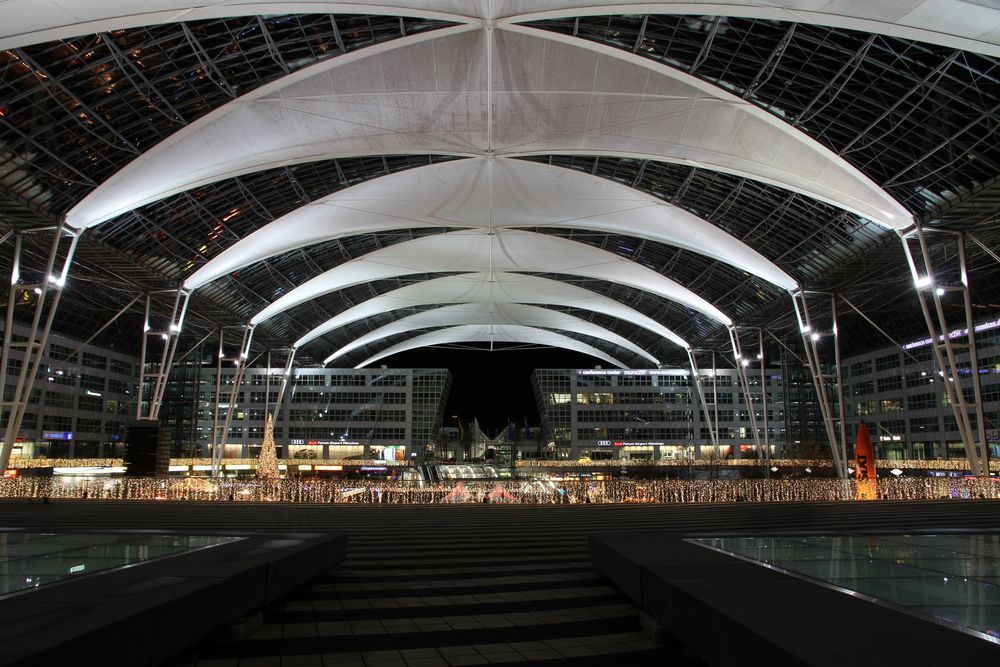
(649, 433)
(59, 352)
(347, 415)
(320, 432)
(64, 423)
(348, 397)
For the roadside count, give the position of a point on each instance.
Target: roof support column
(285, 379)
(219, 438)
(765, 460)
(933, 283)
(218, 392)
(711, 421)
(46, 293)
(275, 410)
(828, 385)
(742, 363)
(155, 373)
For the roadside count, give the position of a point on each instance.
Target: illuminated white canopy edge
(428, 94)
(953, 23)
(503, 250)
(492, 314)
(500, 333)
(480, 192)
(500, 287)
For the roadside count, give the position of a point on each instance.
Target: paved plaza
(473, 585)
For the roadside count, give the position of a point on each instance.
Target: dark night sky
(492, 386)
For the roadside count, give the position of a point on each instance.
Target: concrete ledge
(144, 614)
(729, 611)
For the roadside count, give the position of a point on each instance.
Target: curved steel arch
(500, 287)
(501, 333)
(503, 250)
(538, 92)
(961, 25)
(490, 192)
(486, 313)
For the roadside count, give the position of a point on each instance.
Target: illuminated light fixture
(774, 468)
(896, 471)
(923, 373)
(175, 328)
(738, 357)
(53, 279)
(163, 336)
(746, 362)
(145, 327)
(815, 337)
(850, 471)
(939, 291)
(38, 290)
(760, 356)
(244, 355)
(809, 470)
(923, 281)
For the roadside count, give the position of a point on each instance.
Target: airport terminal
(459, 332)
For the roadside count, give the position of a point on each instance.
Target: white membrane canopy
(475, 90)
(484, 192)
(503, 250)
(492, 314)
(499, 288)
(963, 24)
(496, 333)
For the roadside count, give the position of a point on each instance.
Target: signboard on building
(57, 435)
(633, 373)
(622, 443)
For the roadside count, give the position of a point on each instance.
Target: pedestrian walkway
(473, 585)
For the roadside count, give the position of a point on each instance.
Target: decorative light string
(307, 490)
(916, 464)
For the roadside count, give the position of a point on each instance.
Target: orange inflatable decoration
(864, 465)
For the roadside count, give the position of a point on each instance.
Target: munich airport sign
(622, 443)
(602, 371)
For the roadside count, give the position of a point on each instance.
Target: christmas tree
(267, 462)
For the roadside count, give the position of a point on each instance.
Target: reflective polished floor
(954, 579)
(29, 560)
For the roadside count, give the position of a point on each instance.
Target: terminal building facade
(330, 413)
(899, 392)
(655, 414)
(85, 395)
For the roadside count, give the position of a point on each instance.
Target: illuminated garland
(916, 464)
(523, 492)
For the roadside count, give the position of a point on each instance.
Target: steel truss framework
(920, 120)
